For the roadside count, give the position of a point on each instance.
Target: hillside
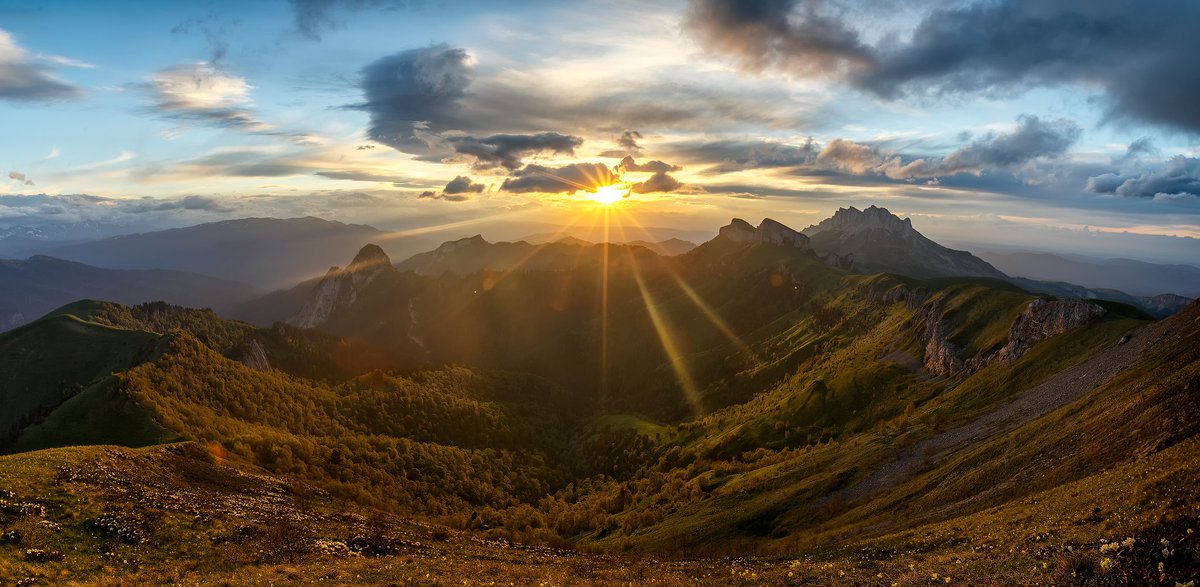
(33, 287)
(268, 253)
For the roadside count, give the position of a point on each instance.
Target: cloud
(463, 185)
(1032, 139)
(414, 94)
(204, 93)
(1141, 58)
(767, 34)
(567, 179)
(508, 151)
(628, 143)
(737, 155)
(313, 17)
(1178, 177)
(629, 164)
(186, 203)
(23, 78)
(660, 182)
(456, 190)
(19, 177)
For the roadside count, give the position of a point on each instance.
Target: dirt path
(1026, 406)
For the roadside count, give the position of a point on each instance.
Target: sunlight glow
(610, 194)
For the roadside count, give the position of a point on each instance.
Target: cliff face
(768, 232)
(1040, 320)
(340, 287)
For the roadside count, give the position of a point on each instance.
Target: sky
(1008, 124)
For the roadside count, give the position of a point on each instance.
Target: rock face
(876, 241)
(340, 287)
(1040, 320)
(253, 355)
(769, 232)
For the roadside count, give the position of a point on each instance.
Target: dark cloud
(567, 179)
(187, 203)
(508, 151)
(778, 34)
(737, 155)
(660, 182)
(18, 176)
(629, 164)
(628, 143)
(1180, 175)
(463, 185)
(1140, 56)
(1138, 149)
(23, 78)
(458, 189)
(313, 17)
(414, 99)
(1032, 139)
(413, 94)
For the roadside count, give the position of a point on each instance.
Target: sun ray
(670, 347)
(709, 313)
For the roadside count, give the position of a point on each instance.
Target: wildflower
(1106, 564)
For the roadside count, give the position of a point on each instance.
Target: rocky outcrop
(853, 220)
(340, 287)
(768, 232)
(1040, 320)
(1043, 319)
(253, 355)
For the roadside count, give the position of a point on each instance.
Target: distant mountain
(1134, 277)
(1159, 306)
(667, 247)
(269, 253)
(31, 288)
(469, 255)
(876, 241)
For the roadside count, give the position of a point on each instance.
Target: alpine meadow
(692, 292)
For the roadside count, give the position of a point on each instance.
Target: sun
(609, 194)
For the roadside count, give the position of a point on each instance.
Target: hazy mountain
(1159, 306)
(876, 241)
(667, 247)
(268, 253)
(1127, 275)
(469, 255)
(30, 288)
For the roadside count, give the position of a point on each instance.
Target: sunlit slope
(920, 449)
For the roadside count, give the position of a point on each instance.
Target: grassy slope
(50, 360)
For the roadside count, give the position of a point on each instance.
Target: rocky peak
(769, 231)
(340, 288)
(369, 257)
(854, 220)
(463, 243)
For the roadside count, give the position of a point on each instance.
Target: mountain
(33, 287)
(876, 241)
(469, 255)
(269, 253)
(748, 408)
(1134, 277)
(1159, 306)
(668, 247)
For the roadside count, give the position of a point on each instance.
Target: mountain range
(266, 253)
(1137, 278)
(767, 405)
